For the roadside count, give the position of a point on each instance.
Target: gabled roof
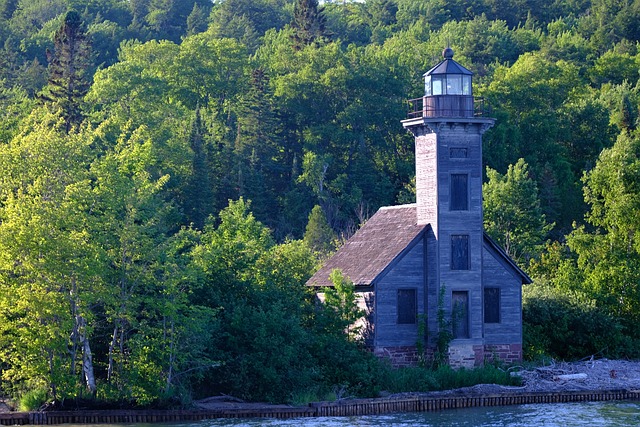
(368, 254)
(381, 242)
(510, 262)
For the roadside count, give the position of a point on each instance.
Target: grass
(420, 379)
(32, 400)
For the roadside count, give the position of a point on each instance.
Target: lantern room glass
(447, 84)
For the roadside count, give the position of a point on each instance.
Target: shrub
(32, 400)
(570, 327)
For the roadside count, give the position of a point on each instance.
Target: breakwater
(350, 407)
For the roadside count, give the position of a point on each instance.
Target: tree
(248, 20)
(341, 299)
(197, 20)
(512, 213)
(198, 197)
(318, 235)
(602, 262)
(530, 100)
(167, 19)
(68, 66)
(261, 176)
(308, 23)
(50, 272)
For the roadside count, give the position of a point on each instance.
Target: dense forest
(172, 171)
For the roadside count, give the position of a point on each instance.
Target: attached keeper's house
(403, 257)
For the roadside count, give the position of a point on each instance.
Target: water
(605, 414)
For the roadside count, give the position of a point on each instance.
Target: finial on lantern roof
(447, 53)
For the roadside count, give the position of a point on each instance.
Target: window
(437, 85)
(466, 85)
(407, 307)
(459, 192)
(427, 86)
(454, 84)
(457, 153)
(460, 313)
(492, 305)
(459, 252)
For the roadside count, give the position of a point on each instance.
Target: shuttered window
(460, 252)
(407, 307)
(492, 305)
(459, 192)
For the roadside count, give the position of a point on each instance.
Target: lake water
(607, 414)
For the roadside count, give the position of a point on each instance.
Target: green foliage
(512, 213)
(420, 379)
(275, 342)
(342, 300)
(444, 335)
(609, 256)
(32, 400)
(589, 305)
(318, 235)
(68, 80)
(569, 326)
(308, 23)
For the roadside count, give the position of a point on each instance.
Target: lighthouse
(427, 269)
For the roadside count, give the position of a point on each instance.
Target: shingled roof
(382, 241)
(367, 255)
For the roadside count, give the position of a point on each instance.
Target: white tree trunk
(87, 359)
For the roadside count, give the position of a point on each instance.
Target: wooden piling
(354, 407)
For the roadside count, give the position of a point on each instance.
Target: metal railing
(458, 106)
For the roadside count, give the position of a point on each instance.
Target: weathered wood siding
(467, 222)
(407, 273)
(445, 148)
(497, 274)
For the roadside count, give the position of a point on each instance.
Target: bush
(33, 400)
(569, 327)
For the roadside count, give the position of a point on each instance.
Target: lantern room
(448, 92)
(447, 78)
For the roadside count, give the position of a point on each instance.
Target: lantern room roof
(448, 65)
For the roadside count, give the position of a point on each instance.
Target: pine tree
(199, 198)
(197, 20)
(68, 65)
(308, 23)
(260, 174)
(318, 235)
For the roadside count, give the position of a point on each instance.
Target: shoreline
(406, 402)
(586, 381)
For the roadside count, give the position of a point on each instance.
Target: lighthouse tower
(448, 124)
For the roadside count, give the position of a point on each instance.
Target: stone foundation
(465, 355)
(460, 355)
(506, 353)
(402, 356)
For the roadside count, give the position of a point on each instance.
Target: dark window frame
(459, 192)
(407, 306)
(460, 253)
(492, 297)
